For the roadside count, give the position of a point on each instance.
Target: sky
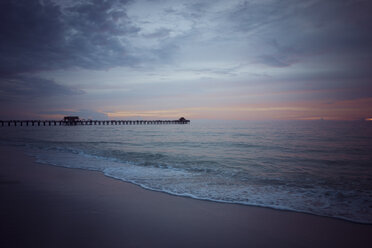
(163, 59)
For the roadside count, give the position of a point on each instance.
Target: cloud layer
(106, 55)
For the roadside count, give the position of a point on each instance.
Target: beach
(49, 206)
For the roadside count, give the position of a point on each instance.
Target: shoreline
(200, 198)
(67, 207)
(221, 201)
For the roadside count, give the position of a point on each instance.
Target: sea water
(318, 167)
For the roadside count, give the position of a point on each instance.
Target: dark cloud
(30, 87)
(37, 36)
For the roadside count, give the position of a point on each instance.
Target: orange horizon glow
(358, 109)
(247, 113)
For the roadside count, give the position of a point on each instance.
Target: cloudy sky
(202, 59)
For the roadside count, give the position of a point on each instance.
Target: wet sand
(48, 206)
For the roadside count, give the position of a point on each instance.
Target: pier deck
(89, 122)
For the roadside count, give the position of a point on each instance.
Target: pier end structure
(182, 120)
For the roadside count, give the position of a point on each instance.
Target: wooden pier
(69, 121)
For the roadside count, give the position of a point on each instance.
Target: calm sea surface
(319, 167)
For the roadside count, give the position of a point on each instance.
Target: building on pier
(71, 120)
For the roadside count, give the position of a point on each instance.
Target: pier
(75, 121)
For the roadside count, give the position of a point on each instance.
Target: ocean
(317, 167)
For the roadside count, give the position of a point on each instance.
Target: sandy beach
(48, 206)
